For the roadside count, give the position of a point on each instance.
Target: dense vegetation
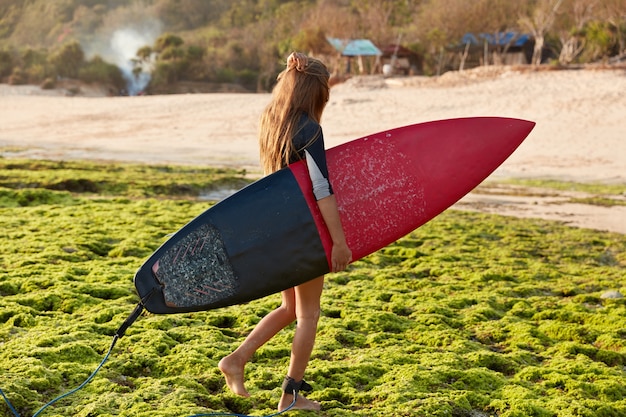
(471, 315)
(244, 41)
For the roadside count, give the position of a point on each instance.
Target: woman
(290, 131)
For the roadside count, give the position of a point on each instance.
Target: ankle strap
(291, 386)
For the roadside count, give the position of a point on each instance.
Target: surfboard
(270, 235)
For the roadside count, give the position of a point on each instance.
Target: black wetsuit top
(309, 144)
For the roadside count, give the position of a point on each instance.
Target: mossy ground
(470, 315)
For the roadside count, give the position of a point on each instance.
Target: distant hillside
(162, 42)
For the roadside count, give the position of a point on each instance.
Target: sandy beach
(580, 133)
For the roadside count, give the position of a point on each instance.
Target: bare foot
(302, 403)
(232, 369)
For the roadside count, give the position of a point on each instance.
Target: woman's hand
(341, 256)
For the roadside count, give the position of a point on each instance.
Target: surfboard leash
(118, 335)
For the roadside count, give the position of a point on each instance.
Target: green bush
(6, 63)
(247, 78)
(99, 71)
(48, 84)
(68, 60)
(600, 42)
(18, 77)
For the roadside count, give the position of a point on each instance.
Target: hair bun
(297, 61)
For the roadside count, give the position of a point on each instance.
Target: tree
(376, 18)
(614, 13)
(6, 63)
(311, 40)
(539, 22)
(99, 71)
(68, 60)
(181, 15)
(167, 41)
(570, 28)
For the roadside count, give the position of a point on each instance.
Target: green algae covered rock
(471, 315)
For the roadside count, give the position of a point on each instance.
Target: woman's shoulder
(308, 132)
(305, 119)
(307, 125)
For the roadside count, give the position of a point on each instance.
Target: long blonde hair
(301, 88)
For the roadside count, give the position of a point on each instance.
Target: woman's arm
(315, 156)
(341, 255)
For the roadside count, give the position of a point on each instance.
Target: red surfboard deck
(270, 235)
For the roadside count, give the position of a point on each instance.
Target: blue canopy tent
(355, 48)
(496, 39)
(509, 48)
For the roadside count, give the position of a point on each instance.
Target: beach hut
(397, 59)
(501, 48)
(357, 48)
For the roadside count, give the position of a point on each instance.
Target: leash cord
(120, 332)
(6, 400)
(81, 386)
(118, 335)
(60, 397)
(88, 380)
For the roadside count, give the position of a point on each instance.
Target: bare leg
(232, 366)
(307, 297)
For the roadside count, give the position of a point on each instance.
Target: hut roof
(496, 39)
(354, 47)
(398, 50)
